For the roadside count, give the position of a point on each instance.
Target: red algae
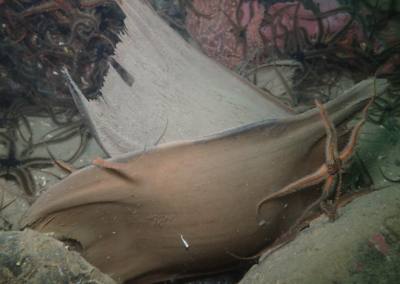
(380, 244)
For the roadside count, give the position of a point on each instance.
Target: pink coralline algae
(284, 17)
(218, 30)
(358, 266)
(234, 31)
(229, 31)
(380, 244)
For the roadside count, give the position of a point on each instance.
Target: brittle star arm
(347, 153)
(323, 173)
(332, 155)
(309, 180)
(348, 150)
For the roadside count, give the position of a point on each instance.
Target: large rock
(32, 257)
(362, 246)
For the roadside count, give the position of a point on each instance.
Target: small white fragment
(184, 242)
(262, 223)
(285, 206)
(42, 181)
(45, 124)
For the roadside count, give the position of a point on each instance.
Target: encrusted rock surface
(362, 246)
(32, 257)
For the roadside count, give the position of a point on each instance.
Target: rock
(362, 246)
(32, 257)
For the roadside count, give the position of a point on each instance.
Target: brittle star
(331, 171)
